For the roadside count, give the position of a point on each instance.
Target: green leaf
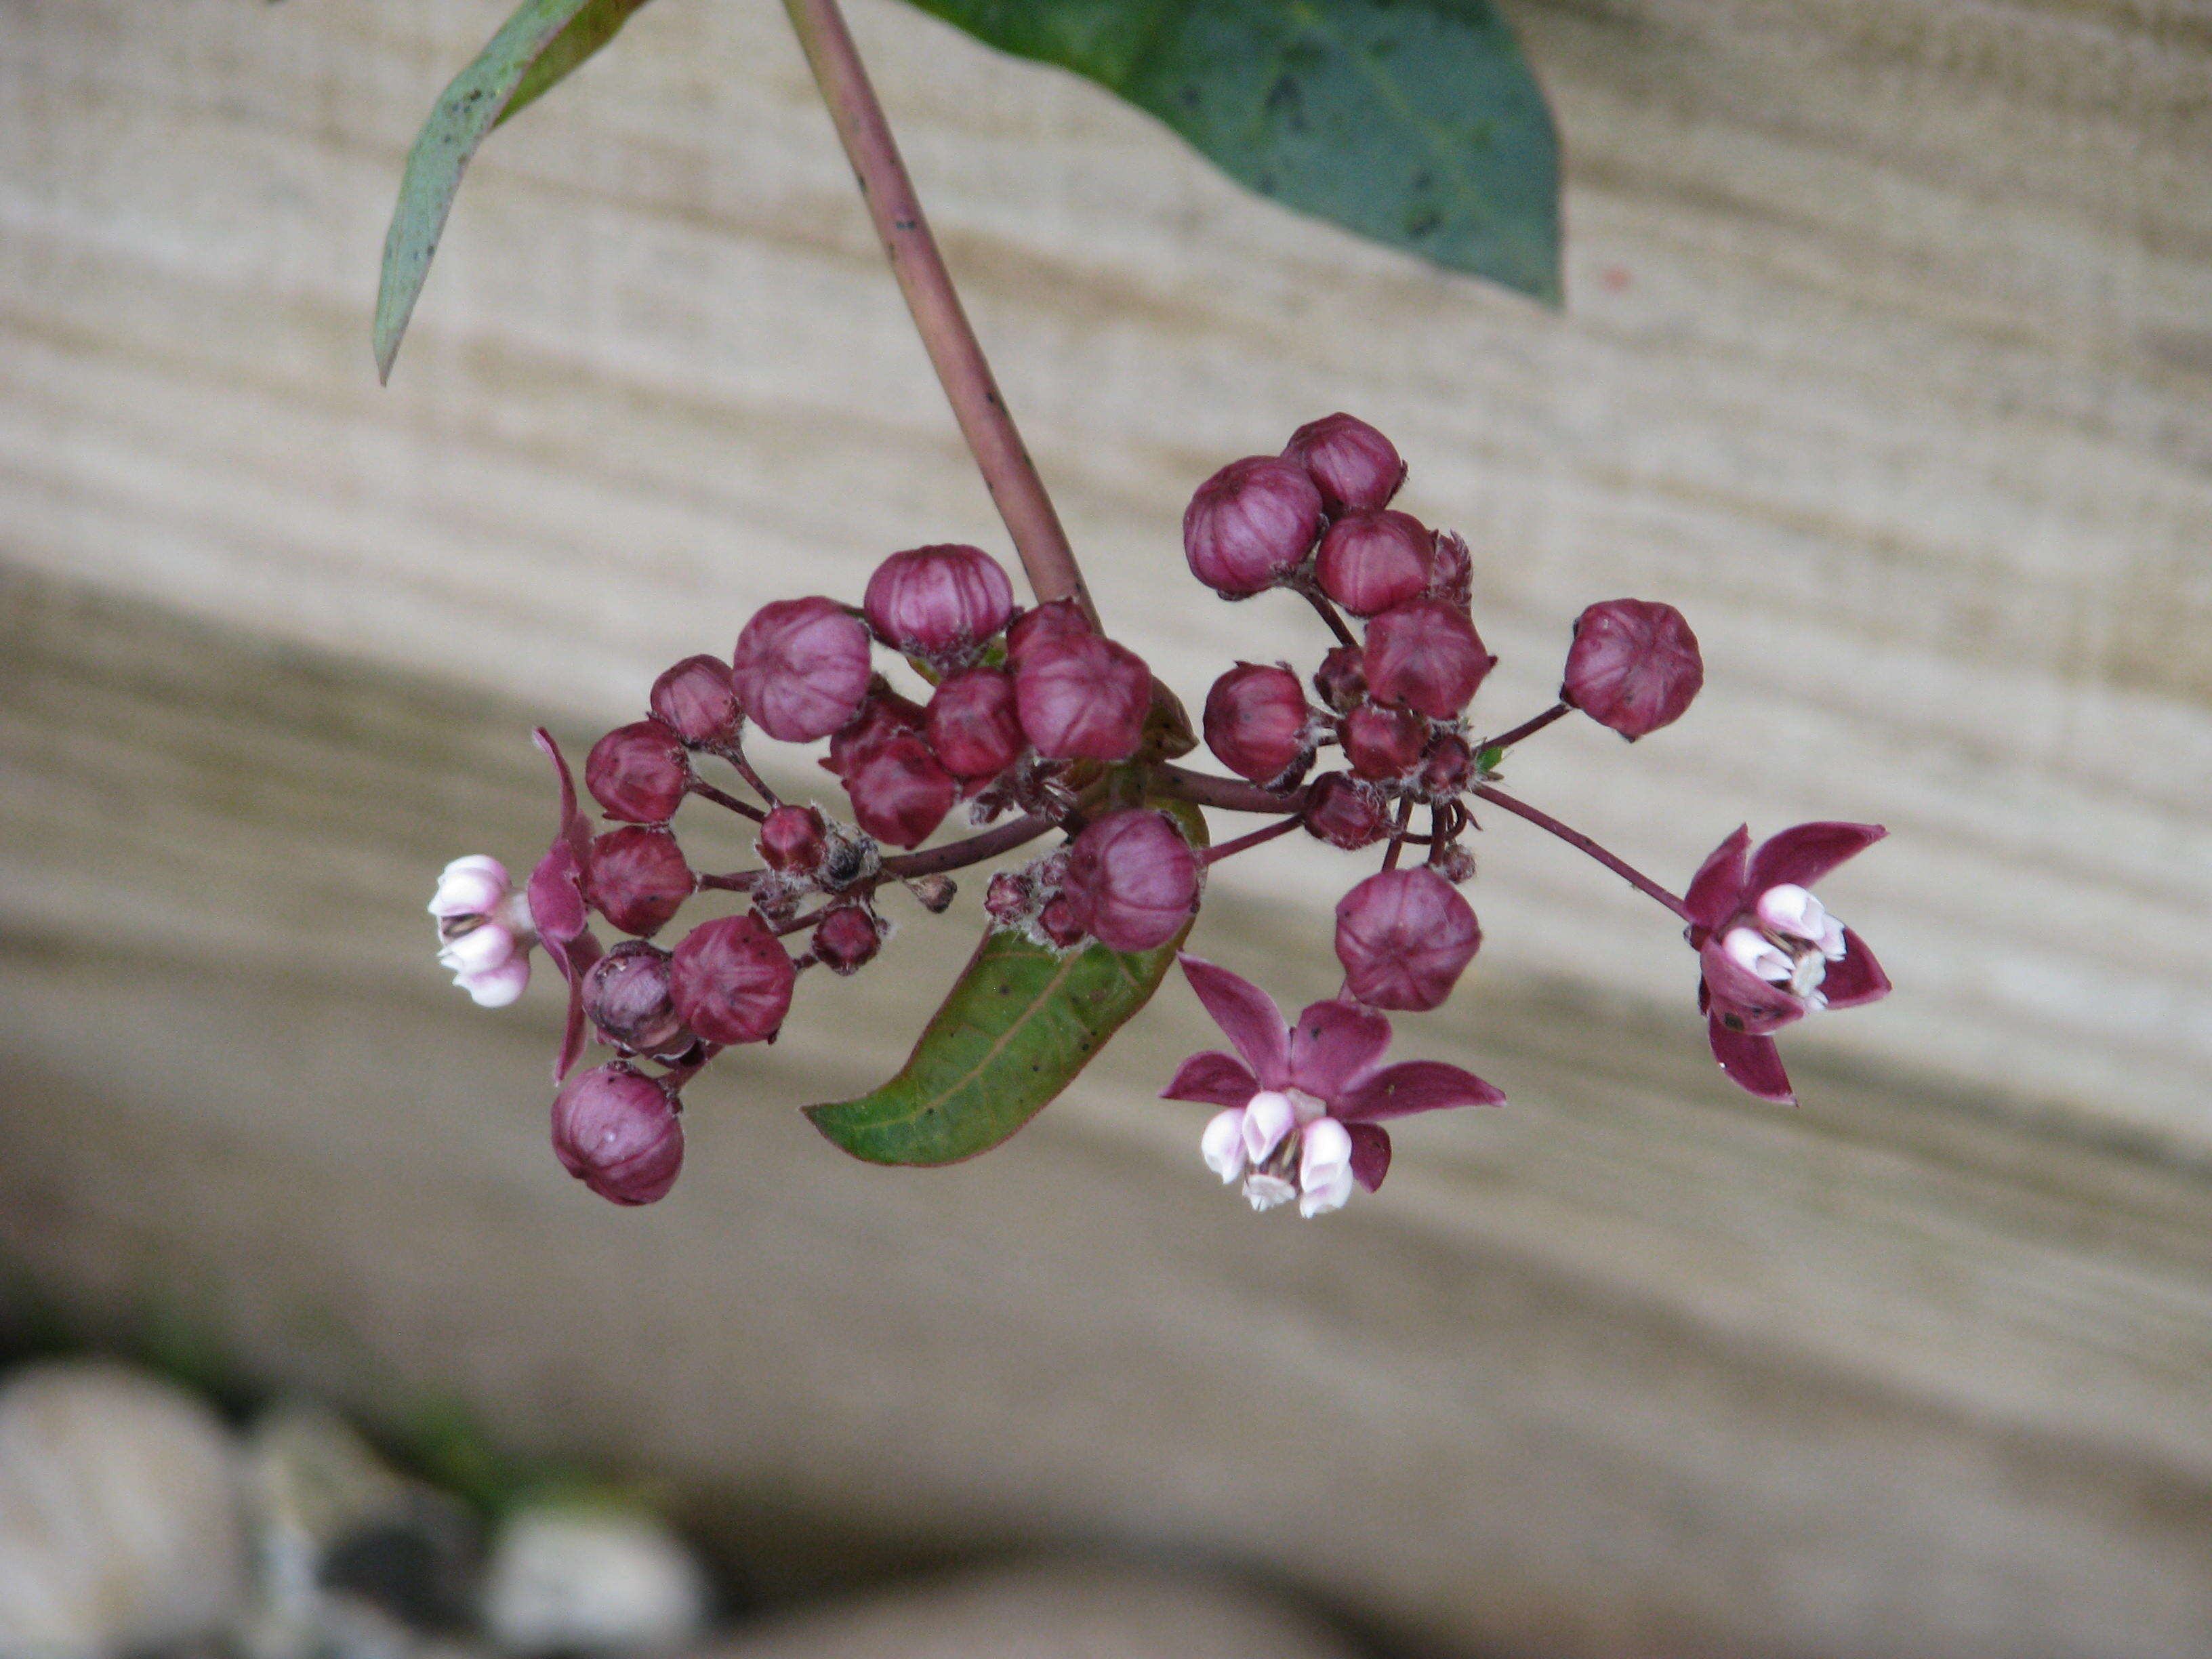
(1414, 121)
(542, 42)
(1017, 1027)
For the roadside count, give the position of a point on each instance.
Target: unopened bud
(801, 668)
(1451, 568)
(938, 602)
(639, 878)
(731, 981)
(639, 773)
(616, 1131)
(899, 791)
(1059, 621)
(1250, 525)
(1634, 666)
(1081, 697)
(847, 939)
(882, 716)
(933, 893)
(1255, 721)
(626, 997)
(1453, 862)
(696, 700)
(1447, 769)
(1132, 878)
(792, 840)
(1403, 937)
(1370, 561)
(1353, 465)
(1342, 679)
(1061, 923)
(1344, 811)
(1383, 743)
(972, 724)
(1009, 897)
(1426, 655)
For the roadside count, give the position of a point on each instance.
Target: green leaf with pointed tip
(542, 42)
(1416, 123)
(1017, 1026)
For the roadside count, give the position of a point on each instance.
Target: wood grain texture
(1886, 358)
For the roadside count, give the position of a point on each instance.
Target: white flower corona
(484, 931)
(1291, 1148)
(1795, 940)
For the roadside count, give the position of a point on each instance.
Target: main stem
(1007, 471)
(1575, 838)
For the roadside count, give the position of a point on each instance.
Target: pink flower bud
(1403, 937)
(1009, 897)
(1453, 862)
(801, 668)
(1383, 743)
(883, 716)
(1061, 923)
(1344, 811)
(938, 601)
(1255, 721)
(1447, 769)
(972, 724)
(1352, 464)
(1634, 666)
(792, 840)
(695, 700)
(626, 996)
(1342, 679)
(847, 939)
(1426, 655)
(639, 878)
(1056, 623)
(1250, 525)
(1369, 562)
(616, 1131)
(1081, 697)
(899, 791)
(639, 773)
(1451, 569)
(1132, 879)
(731, 981)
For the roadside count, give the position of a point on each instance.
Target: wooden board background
(1886, 357)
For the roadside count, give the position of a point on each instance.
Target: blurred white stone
(310, 1480)
(119, 1523)
(599, 1580)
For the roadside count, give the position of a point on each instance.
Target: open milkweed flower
(1304, 1103)
(556, 891)
(1768, 951)
(484, 933)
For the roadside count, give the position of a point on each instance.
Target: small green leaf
(1416, 123)
(542, 42)
(1014, 1031)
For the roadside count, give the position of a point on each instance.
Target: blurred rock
(592, 1579)
(1079, 1611)
(119, 1514)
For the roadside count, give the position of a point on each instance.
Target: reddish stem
(1582, 843)
(706, 790)
(1398, 833)
(1266, 832)
(1328, 612)
(1229, 794)
(1527, 728)
(956, 855)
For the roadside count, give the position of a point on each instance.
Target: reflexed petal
(1222, 1145)
(1211, 1079)
(1752, 1063)
(1804, 853)
(1716, 890)
(582, 952)
(1267, 1118)
(1856, 978)
(1247, 1014)
(1740, 998)
(1416, 1085)
(1370, 1153)
(1335, 1044)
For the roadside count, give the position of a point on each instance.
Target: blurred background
(1885, 357)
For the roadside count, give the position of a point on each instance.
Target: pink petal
(1742, 999)
(1247, 1014)
(1857, 978)
(1752, 1063)
(1335, 1045)
(1716, 890)
(582, 952)
(1370, 1153)
(1806, 852)
(1211, 1079)
(1418, 1086)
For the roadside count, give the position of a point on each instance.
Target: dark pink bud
(1633, 666)
(639, 773)
(1426, 655)
(1352, 464)
(1059, 922)
(639, 878)
(938, 601)
(1132, 879)
(1453, 862)
(1451, 569)
(883, 716)
(900, 792)
(626, 995)
(616, 1131)
(1383, 743)
(1403, 937)
(793, 839)
(1250, 525)
(1009, 897)
(1447, 769)
(801, 668)
(730, 980)
(1342, 679)
(1058, 621)
(1255, 721)
(1081, 697)
(972, 724)
(1344, 811)
(1369, 562)
(697, 700)
(847, 939)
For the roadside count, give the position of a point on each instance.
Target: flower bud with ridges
(695, 700)
(730, 980)
(638, 879)
(1447, 769)
(1250, 525)
(1371, 561)
(1353, 465)
(973, 725)
(847, 939)
(801, 668)
(1257, 717)
(1132, 879)
(1081, 697)
(938, 602)
(1344, 811)
(639, 773)
(899, 791)
(626, 997)
(1341, 680)
(1426, 655)
(1403, 937)
(616, 1131)
(1634, 666)
(882, 716)
(792, 840)
(1383, 743)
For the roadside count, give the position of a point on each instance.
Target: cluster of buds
(1036, 725)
